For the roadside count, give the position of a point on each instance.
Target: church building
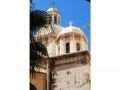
(69, 65)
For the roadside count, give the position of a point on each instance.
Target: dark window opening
(67, 48)
(55, 19)
(77, 46)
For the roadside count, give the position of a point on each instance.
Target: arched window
(55, 19)
(67, 48)
(77, 46)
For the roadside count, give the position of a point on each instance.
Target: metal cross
(52, 4)
(70, 23)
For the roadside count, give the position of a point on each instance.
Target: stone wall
(69, 72)
(39, 81)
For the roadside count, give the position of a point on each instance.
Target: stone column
(82, 44)
(48, 74)
(86, 45)
(52, 20)
(57, 20)
(50, 50)
(53, 46)
(72, 44)
(60, 21)
(56, 50)
(62, 46)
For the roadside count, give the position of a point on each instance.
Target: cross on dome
(70, 23)
(52, 4)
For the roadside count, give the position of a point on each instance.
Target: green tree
(38, 19)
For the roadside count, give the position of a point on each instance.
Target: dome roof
(43, 31)
(57, 29)
(71, 29)
(52, 9)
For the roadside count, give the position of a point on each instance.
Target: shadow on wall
(32, 87)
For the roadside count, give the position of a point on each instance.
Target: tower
(46, 35)
(71, 39)
(55, 15)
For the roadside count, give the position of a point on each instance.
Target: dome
(52, 9)
(43, 31)
(71, 29)
(57, 29)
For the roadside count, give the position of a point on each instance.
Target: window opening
(67, 48)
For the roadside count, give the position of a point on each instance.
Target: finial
(52, 4)
(70, 23)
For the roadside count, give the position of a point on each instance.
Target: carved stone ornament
(67, 36)
(77, 37)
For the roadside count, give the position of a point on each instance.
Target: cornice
(67, 36)
(82, 57)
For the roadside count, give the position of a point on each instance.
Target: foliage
(88, 81)
(86, 26)
(37, 53)
(38, 20)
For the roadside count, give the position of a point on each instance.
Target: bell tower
(55, 15)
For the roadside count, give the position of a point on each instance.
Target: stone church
(69, 64)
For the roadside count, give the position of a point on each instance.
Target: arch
(77, 47)
(67, 47)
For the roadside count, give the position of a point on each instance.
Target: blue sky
(76, 10)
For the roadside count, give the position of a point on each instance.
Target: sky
(78, 11)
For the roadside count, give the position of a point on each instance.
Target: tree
(38, 19)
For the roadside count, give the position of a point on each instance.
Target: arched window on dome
(55, 19)
(77, 46)
(67, 48)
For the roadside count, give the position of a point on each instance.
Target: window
(67, 48)
(55, 20)
(77, 46)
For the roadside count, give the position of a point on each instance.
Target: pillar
(62, 46)
(72, 44)
(56, 50)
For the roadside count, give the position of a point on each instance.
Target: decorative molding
(66, 36)
(77, 37)
(58, 43)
